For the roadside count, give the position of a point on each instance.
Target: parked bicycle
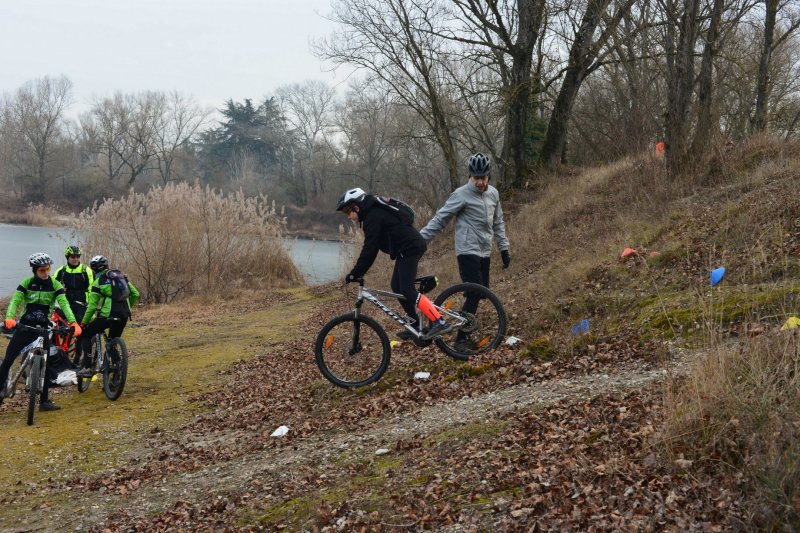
(31, 365)
(353, 350)
(109, 357)
(67, 342)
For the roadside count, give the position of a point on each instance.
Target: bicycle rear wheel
(36, 372)
(352, 352)
(485, 317)
(115, 368)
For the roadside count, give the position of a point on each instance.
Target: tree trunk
(582, 54)
(705, 86)
(680, 74)
(759, 120)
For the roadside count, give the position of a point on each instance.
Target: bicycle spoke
(480, 316)
(352, 353)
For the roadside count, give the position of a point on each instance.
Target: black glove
(506, 257)
(351, 278)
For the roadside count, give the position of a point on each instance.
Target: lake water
(317, 260)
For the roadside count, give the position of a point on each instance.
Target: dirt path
(229, 477)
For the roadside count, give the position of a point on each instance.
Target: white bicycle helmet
(350, 197)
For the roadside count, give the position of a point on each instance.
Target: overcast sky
(212, 50)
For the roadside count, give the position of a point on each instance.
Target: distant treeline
(534, 84)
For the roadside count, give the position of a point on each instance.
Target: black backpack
(120, 291)
(402, 210)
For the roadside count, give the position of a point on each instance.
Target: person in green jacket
(77, 279)
(38, 295)
(102, 305)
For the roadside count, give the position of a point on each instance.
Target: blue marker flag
(580, 327)
(716, 275)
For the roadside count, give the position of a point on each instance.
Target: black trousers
(19, 340)
(473, 269)
(115, 329)
(403, 276)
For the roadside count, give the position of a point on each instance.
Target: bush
(184, 239)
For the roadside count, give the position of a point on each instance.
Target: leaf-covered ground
(504, 442)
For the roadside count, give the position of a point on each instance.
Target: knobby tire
(337, 363)
(115, 368)
(490, 320)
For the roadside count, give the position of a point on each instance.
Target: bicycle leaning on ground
(109, 357)
(31, 365)
(353, 350)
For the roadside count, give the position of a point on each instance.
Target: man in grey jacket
(479, 219)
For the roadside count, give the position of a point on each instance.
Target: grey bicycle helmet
(479, 165)
(39, 260)
(350, 197)
(98, 263)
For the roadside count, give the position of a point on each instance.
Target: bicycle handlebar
(40, 329)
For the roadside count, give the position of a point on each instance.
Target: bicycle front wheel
(95, 350)
(115, 368)
(484, 320)
(36, 372)
(352, 352)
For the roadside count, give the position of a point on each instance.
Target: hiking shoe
(437, 329)
(405, 335)
(48, 406)
(465, 345)
(85, 373)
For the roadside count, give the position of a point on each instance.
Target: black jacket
(384, 232)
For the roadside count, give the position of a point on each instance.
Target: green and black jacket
(76, 281)
(101, 302)
(39, 295)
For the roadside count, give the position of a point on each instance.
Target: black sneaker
(85, 373)
(405, 335)
(465, 345)
(437, 329)
(48, 406)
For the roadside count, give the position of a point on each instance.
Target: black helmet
(98, 263)
(39, 260)
(72, 249)
(479, 165)
(350, 197)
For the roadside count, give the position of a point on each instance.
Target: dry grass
(184, 239)
(741, 408)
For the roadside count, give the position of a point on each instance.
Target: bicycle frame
(28, 355)
(365, 293)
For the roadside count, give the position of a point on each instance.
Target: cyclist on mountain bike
(38, 295)
(105, 304)
(387, 232)
(479, 218)
(77, 279)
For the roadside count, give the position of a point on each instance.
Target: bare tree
(308, 111)
(598, 23)
(366, 119)
(397, 42)
(508, 31)
(176, 124)
(792, 23)
(33, 124)
(121, 130)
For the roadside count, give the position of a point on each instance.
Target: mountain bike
(31, 365)
(67, 342)
(353, 350)
(109, 357)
